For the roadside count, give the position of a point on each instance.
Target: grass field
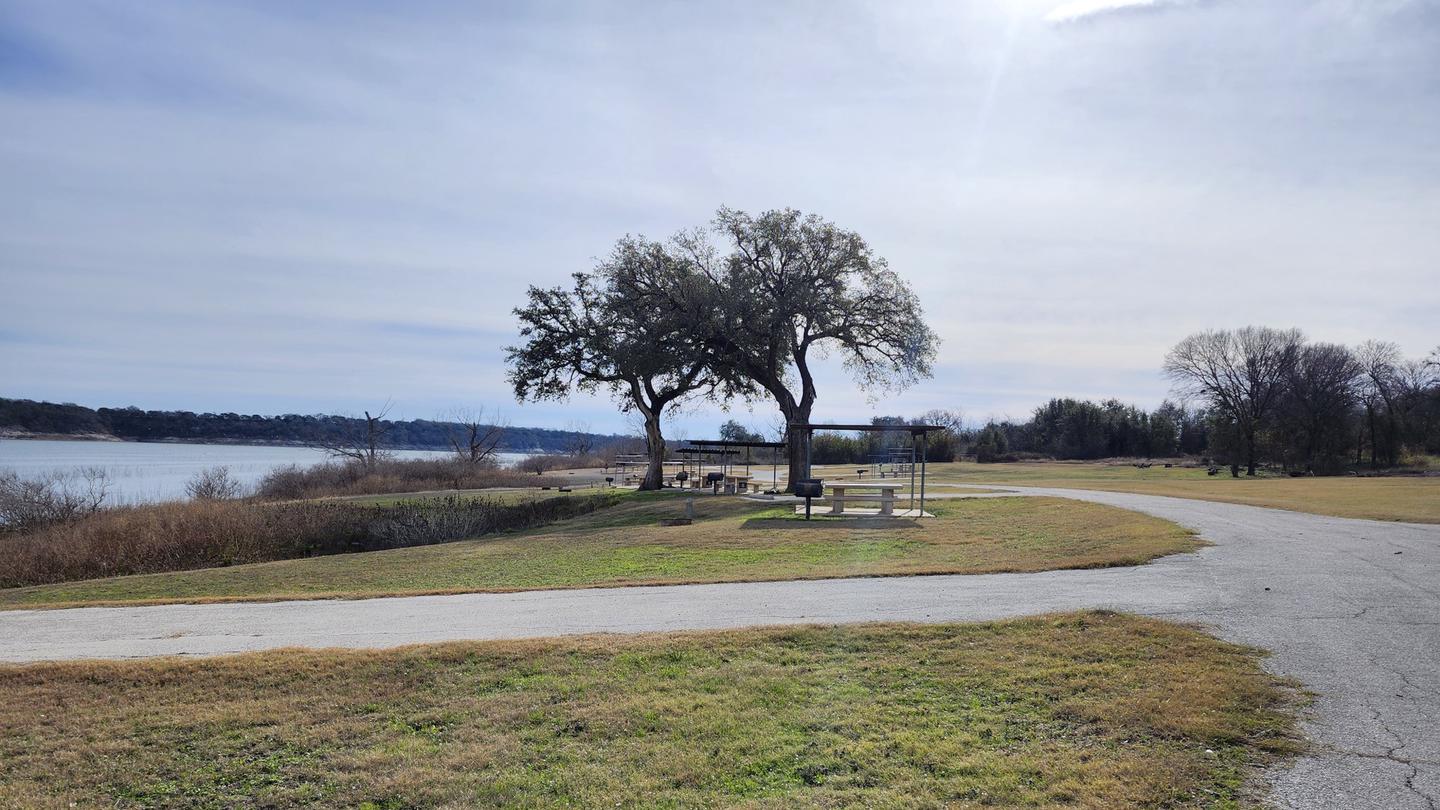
(731, 540)
(1087, 710)
(1410, 499)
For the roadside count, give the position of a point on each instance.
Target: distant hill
(25, 418)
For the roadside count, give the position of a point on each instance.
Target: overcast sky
(312, 207)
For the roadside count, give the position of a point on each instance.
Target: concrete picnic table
(736, 484)
(885, 496)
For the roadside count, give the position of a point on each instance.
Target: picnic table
(737, 484)
(873, 492)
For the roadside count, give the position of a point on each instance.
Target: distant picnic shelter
(918, 442)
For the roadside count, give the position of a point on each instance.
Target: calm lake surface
(143, 471)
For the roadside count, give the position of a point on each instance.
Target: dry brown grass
(1087, 710)
(213, 533)
(1410, 500)
(337, 479)
(1405, 498)
(732, 540)
(173, 536)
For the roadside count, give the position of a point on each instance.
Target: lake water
(145, 471)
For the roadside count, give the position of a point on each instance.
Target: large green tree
(606, 334)
(787, 289)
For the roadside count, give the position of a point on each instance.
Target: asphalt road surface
(1351, 608)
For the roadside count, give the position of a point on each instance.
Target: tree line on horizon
(1325, 410)
(1330, 409)
(1262, 396)
(318, 430)
(1063, 428)
(1312, 407)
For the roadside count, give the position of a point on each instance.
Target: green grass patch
(1090, 710)
(731, 540)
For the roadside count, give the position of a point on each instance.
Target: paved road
(1350, 607)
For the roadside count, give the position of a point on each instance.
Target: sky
(274, 207)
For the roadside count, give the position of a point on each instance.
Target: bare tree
(778, 427)
(581, 442)
(1417, 384)
(1390, 387)
(1242, 373)
(1322, 388)
(537, 464)
(951, 420)
(474, 438)
(362, 440)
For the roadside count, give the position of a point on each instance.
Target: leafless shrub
(537, 464)
(474, 437)
(574, 461)
(289, 482)
(385, 476)
(213, 484)
(57, 497)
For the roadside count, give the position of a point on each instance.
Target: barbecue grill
(808, 488)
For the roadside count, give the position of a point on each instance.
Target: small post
(809, 439)
(912, 469)
(924, 441)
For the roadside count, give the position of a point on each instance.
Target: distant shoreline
(52, 421)
(100, 437)
(60, 437)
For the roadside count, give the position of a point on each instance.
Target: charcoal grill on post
(808, 488)
(714, 479)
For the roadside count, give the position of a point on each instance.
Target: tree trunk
(795, 447)
(655, 448)
(1374, 443)
(795, 457)
(1250, 453)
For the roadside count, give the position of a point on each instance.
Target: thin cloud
(1076, 10)
(232, 207)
